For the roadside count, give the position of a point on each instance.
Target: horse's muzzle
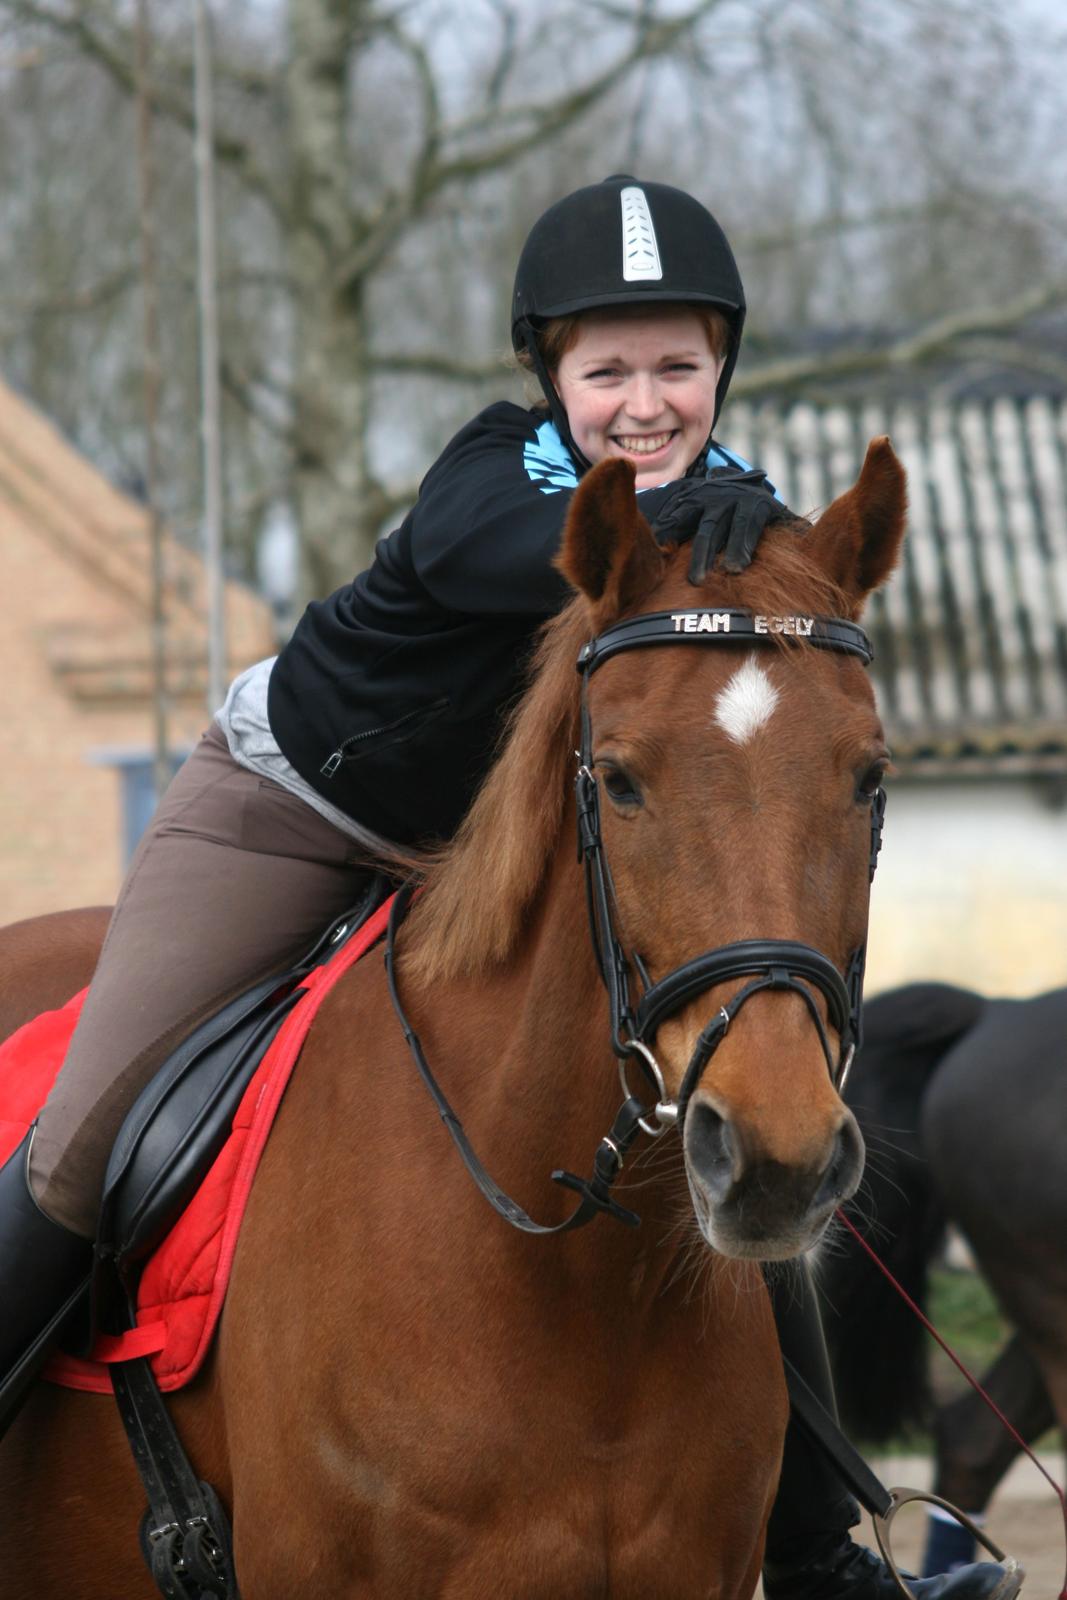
(751, 1205)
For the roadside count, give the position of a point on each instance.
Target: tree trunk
(333, 488)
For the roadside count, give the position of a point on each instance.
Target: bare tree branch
(84, 25)
(1008, 352)
(839, 223)
(431, 107)
(505, 58)
(942, 331)
(385, 125)
(938, 335)
(545, 120)
(116, 61)
(652, 38)
(90, 298)
(250, 390)
(428, 365)
(93, 296)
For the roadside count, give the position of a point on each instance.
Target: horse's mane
(479, 888)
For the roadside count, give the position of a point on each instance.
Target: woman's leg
(812, 1507)
(233, 881)
(810, 1554)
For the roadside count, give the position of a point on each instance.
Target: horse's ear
(608, 551)
(858, 537)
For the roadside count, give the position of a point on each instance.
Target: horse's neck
(528, 1051)
(550, 1033)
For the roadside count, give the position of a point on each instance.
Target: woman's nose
(643, 398)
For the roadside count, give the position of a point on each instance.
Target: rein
(901, 1497)
(767, 963)
(607, 1162)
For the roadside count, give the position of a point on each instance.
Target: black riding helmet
(616, 243)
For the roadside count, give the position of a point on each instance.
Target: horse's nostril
(710, 1146)
(842, 1175)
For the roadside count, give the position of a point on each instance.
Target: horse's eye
(872, 780)
(620, 787)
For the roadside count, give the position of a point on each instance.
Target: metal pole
(210, 431)
(152, 366)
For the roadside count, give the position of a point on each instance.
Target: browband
(729, 624)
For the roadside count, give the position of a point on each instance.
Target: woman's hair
(560, 334)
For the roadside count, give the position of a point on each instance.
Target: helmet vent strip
(640, 248)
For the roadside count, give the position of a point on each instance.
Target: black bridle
(766, 963)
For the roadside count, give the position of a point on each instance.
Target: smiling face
(641, 389)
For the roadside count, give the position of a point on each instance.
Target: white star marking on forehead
(747, 702)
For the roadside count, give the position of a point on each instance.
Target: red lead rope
(956, 1362)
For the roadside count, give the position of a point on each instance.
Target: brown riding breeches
(234, 880)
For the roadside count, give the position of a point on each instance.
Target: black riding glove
(723, 513)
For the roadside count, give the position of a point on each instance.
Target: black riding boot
(810, 1554)
(44, 1270)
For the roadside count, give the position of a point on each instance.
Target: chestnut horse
(409, 1398)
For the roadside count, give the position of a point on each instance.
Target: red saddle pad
(184, 1281)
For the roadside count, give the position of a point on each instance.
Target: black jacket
(388, 698)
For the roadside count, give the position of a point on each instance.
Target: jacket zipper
(331, 764)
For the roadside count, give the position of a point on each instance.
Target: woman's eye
(871, 781)
(621, 787)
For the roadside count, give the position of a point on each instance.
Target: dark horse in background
(963, 1103)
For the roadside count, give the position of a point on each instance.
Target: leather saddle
(180, 1121)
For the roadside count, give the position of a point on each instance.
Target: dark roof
(971, 632)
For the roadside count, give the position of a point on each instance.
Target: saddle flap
(181, 1120)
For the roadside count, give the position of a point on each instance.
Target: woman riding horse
(369, 734)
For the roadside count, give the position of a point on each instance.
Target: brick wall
(60, 814)
(73, 659)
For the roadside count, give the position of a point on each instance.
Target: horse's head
(735, 796)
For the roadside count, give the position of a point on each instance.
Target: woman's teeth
(643, 444)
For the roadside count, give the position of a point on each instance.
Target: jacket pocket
(372, 740)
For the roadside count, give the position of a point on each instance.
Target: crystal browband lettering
(728, 625)
(719, 622)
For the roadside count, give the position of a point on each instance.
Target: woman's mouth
(643, 444)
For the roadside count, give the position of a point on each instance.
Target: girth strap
(185, 1533)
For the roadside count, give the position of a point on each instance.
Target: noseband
(766, 963)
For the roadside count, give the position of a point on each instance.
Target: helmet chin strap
(555, 404)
